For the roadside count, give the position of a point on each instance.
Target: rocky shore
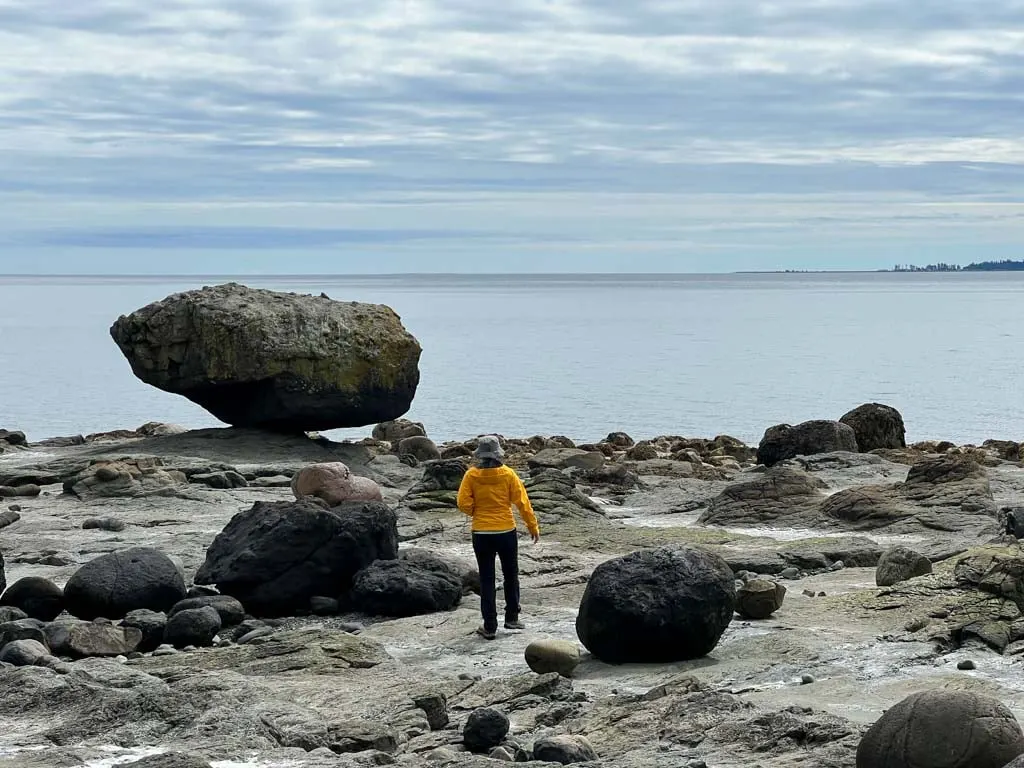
(243, 597)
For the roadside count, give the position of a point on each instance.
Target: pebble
(939, 614)
(966, 665)
(15, 508)
(121, 659)
(809, 593)
(916, 625)
(790, 573)
(806, 680)
(469, 677)
(822, 594)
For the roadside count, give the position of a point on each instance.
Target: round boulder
(282, 361)
(334, 483)
(39, 598)
(24, 653)
(231, 611)
(113, 585)
(942, 729)
(565, 750)
(193, 626)
(397, 430)
(900, 564)
(484, 730)
(545, 656)
(759, 599)
(784, 441)
(876, 426)
(421, 447)
(659, 605)
(276, 556)
(406, 588)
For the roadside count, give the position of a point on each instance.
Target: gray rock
(900, 564)
(9, 613)
(876, 426)
(781, 494)
(784, 441)
(22, 629)
(565, 750)
(502, 754)
(276, 556)
(81, 639)
(435, 706)
(104, 524)
(396, 430)
(564, 458)
(151, 624)
(406, 588)
(19, 491)
(953, 729)
(10, 516)
(280, 361)
(231, 611)
(113, 585)
(39, 598)
(759, 599)
(125, 478)
(561, 656)
(642, 451)
(193, 626)
(420, 446)
(225, 480)
(657, 605)
(485, 729)
(966, 665)
(169, 760)
(24, 653)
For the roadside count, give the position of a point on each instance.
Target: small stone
(809, 593)
(696, 764)
(193, 627)
(15, 508)
(916, 625)
(165, 650)
(324, 606)
(838, 565)
(822, 594)
(104, 524)
(966, 665)
(24, 653)
(806, 680)
(790, 573)
(500, 753)
(561, 656)
(470, 677)
(939, 614)
(352, 627)
(256, 634)
(435, 706)
(484, 730)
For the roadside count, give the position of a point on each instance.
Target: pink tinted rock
(334, 483)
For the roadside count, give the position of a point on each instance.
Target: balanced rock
(660, 605)
(561, 656)
(942, 729)
(900, 564)
(405, 588)
(565, 750)
(193, 626)
(281, 361)
(876, 426)
(276, 556)
(784, 441)
(334, 483)
(484, 730)
(759, 598)
(113, 585)
(39, 598)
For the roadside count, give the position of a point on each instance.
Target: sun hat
(489, 448)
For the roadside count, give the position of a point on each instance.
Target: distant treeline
(1006, 265)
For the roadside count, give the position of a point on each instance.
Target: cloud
(529, 120)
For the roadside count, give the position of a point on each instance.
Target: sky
(323, 136)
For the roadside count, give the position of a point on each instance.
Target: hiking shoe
(514, 625)
(486, 633)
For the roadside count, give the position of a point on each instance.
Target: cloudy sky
(233, 136)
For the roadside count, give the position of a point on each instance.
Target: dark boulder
(565, 750)
(759, 598)
(942, 728)
(876, 426)
(406, 587)
(223, 480)
(484, 730)
(231, 611)
(276, 556)
(151, 624)
(280, 361)
(22, 629)
(900, 564)
(660, 605)
(39, 598)
(783, 441)
(24, 653)
(193, 626)
(113, 585)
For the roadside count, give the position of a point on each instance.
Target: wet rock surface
(322, 686)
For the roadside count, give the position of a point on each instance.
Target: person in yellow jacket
(487, 494)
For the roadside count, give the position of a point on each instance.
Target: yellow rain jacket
(487, 496)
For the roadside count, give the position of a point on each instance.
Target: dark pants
(506, 547)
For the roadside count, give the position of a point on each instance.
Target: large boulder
(334, 483)
(659, 605)
(876, 426)
(784, 441)
(782, 493)
(900, 564)
(942, 729)
(485, 729)
(406, 588)
(280, 361)
(38, 597)
(113, 585)
(277, 555)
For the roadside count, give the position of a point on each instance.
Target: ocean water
(694, 355)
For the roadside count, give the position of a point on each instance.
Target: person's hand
(535, 537)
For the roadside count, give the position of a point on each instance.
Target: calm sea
(584, 355)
